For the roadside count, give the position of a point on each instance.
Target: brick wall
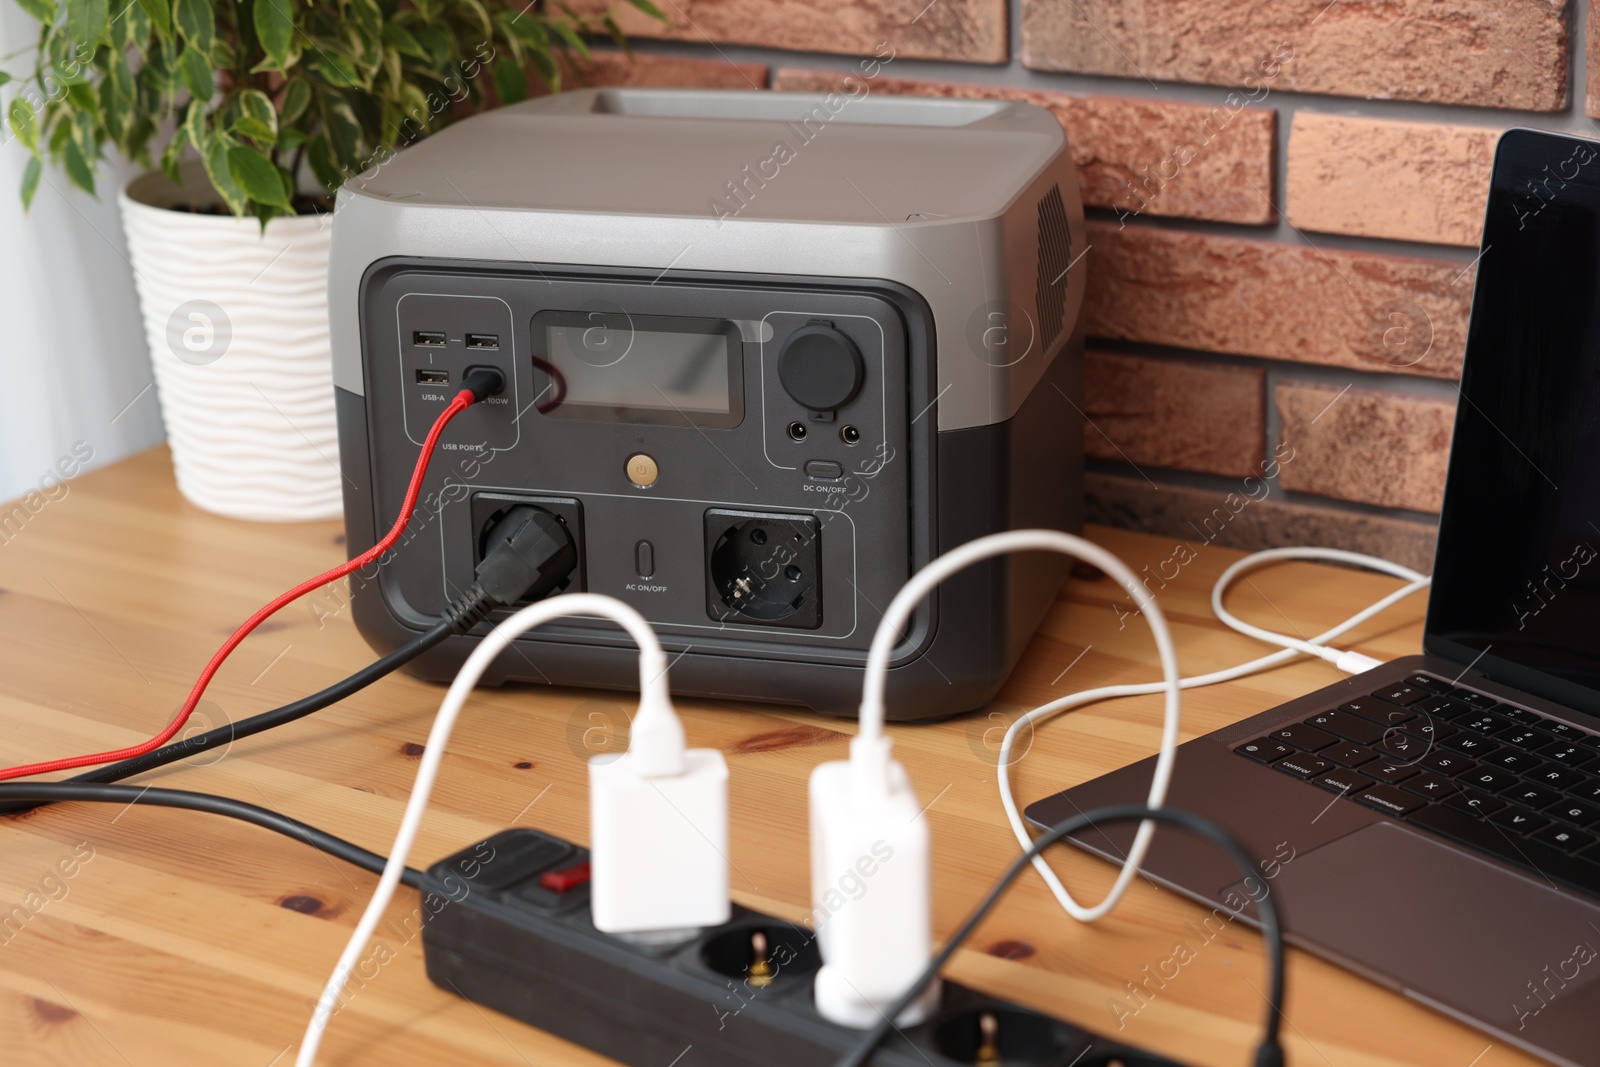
(1285, 201)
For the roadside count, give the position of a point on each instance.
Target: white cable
(653, 702)
(1008, 800)
(869, 751)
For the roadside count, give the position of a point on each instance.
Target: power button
(642, 470)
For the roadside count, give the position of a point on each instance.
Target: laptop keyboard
(1503, 780)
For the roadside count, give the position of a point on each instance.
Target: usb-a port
(428, 339)
(483, 340)
(428, 376)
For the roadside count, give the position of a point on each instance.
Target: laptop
(1442, 812)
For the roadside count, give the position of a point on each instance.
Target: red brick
(610, 68)
(1217, 163)
(1295, 302)
(1365, 445)
(1411, 181)
(972, 31)
(1490, 55)
(1251, 516)
(1591, 52)
(1178, 413)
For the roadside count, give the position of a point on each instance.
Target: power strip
(506, 924)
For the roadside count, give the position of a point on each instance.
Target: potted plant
(260, 109)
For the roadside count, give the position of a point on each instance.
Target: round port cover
(820, 367)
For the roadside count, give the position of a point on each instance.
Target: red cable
(463, 400)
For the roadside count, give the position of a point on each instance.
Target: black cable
(338, 847)
(1269, 1053)
(255, 724)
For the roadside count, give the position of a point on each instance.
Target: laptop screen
(1517, 577)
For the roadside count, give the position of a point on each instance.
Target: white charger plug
(870, 888)
(658, 825)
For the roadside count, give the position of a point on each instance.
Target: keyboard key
(1429, 729)
(1510, 759)
(1378, 711)
(1302, 765)
(1577, 812)
(1430, 785)
(1531, 796)
(1562, 778)
(1474, 801)
(1304, 737)
(1263, 749)
(1589, 791)
(1565, 732)
(1389, 771)
(1527, 740)
(1563, 837)
(1401, 746)
(1403, 695)
(1518, 715)
(1568, 755)
(1446, 821)
(1428, 682)
(1518, 819)
(1348, 755)
(1470, 745)
(1475, 700)
(1489, 779)
(1350, 727)
(1487, 723)
(1341, 781)
(1387, 799)
(1445, 762)
(1442, 708)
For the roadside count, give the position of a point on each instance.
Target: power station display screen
(616, 367)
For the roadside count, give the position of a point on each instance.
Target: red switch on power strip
(566, 878)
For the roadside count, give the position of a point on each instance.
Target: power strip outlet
(506, 924)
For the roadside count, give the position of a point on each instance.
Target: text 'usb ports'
(428, 339)
(428, 376)
(483, 340)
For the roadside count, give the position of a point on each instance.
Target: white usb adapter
(658, 827)
(870, 887)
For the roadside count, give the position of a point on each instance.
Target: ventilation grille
(1055, 258)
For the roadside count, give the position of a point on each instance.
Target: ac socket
(493, 934)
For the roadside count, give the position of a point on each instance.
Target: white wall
(73, 361)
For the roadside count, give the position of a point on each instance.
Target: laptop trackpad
(1453, 929)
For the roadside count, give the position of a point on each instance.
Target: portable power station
(804, 344)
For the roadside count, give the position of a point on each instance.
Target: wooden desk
(191, 939)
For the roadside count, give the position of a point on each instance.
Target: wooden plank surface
(181, 938)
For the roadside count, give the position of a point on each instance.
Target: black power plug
(506, 924)
(526, 553)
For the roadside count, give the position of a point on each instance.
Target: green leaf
(256, 175)
(116, 95)
(82, 97)
(173, 154)
(258, 119)
(78, 169)
(197, 23)
(216, 158)
(24, 123)
(320, 156)
(296, 97)
(510, 82)
(131, 28)
(343, 131)
(160, 12)
(87, 19)
(570, 35)
(397, 36)
(327, 61)
(649, 9)
(43, 10)
(4, 77)
(30, 181)
(274, 21)
(195, 68)
(194, 123)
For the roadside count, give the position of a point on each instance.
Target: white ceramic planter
(237, 324)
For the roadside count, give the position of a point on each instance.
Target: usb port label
(428, 339)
